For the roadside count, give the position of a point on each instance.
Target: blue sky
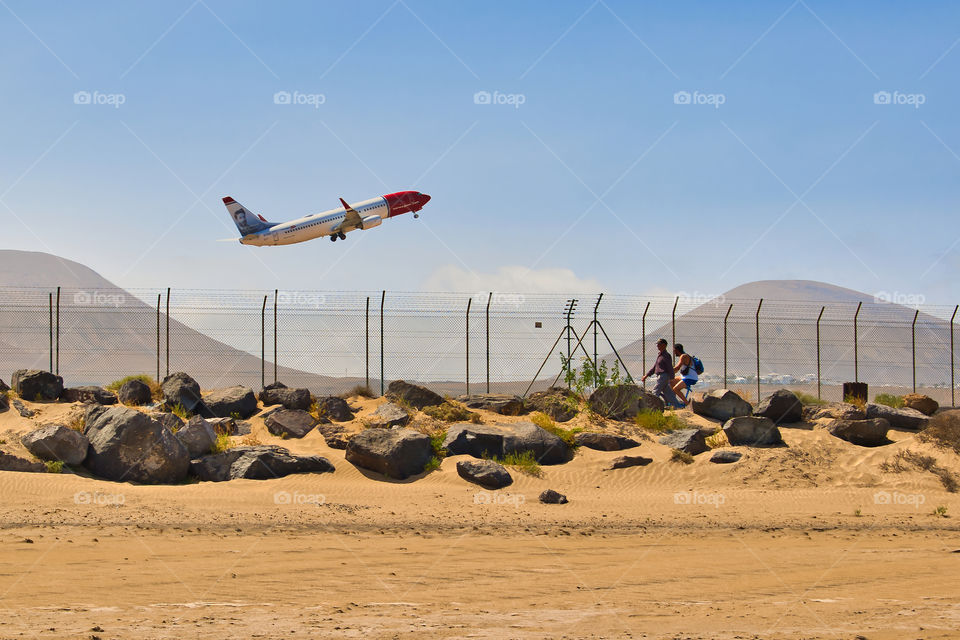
(598, 180)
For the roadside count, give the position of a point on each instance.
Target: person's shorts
(689, 382)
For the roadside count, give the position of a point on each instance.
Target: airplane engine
(370, 222)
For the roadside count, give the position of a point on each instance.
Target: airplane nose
(424, 199)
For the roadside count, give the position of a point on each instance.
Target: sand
(810, 540)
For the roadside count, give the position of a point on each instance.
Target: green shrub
(222, 443)
(179, 411)
(889, 399)
(523, 462)
(546, 423)
(450, 411)
(142, 377)
(54, 466)
(432, 465)
(681, 456)
(806, 398)
(657, 421)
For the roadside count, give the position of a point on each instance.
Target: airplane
(258, 231)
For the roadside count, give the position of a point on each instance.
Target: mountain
(788, 322)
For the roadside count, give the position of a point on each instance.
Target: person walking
(663, 369)
(688, 374)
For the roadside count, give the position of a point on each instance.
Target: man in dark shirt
(663, 369)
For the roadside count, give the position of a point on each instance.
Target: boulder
(289, 398)
(623, 401)
(604, 441)
(552, 497)
(396, 453)
(557, 402)
(480, 440)
(725, 457)
(4, 386)
(256, 463)
(504, 404)
(230, 402)
(180, 389)
(334, 408)
(910, 419)
(135, 393)
(924, 404)
(35, 384)
(721, 404)
(416, 396)
(92, 395)
(691, 441)
(751, 430)
(838, 411)
(4, 401)
(169, 420)
(127, 445)
(782, 406)
(10, 462)
(22, 409)
(623, 462)
(334, 436)
(866, 433)
(486, 473)
(290, 423)
(197, 436)
(389, 415)
(56, 442)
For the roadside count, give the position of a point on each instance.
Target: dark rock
(396, 453)
(866, 433)
(290, 423)
(232, 401)
(691, 441)
(782, 406)
(4, 401)
(924, 404)
(4, 386)
(256, 463)
(552, 497)
(415, 396)
(604, 441)
(22, 409)
(725, 457)
(751, 430)
(169, 420)
(486, 473)
(479, 440)
(289, 398)
(197, 436)
(10, 462)
(135, 393)
(127, 445)
(623, 462)
(37, 385)
(505, 405)
(389, 415)
(56, 442)
(334, 436)
(94, 395)
(721, 404)
(557, 402)
(910, 419)
(838, 411)
(180, 389)
(623, 401)
(334, 408)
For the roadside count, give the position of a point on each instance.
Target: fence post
(595, 363)
(819, 317)
(58, 332)
(489, 298)
(159, 296)
(758, 348)
(366, 348)
(952, 385)
(643, 338)
(275, 292)
(263, 343)
(50, 308)
(726, 378)
(168, 331)
(673, 323)
(856, 345)
(469, 302)
(383, 297)
(913, 348)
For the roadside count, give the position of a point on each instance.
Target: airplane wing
(352, 219)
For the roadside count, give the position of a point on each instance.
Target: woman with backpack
(687, 366)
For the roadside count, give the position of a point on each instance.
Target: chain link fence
(333, 341)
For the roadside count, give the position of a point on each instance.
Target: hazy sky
(586, 171)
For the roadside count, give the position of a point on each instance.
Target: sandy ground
(810, 540)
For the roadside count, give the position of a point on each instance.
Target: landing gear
(333, 238)
(342, 235)
(416, 215)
